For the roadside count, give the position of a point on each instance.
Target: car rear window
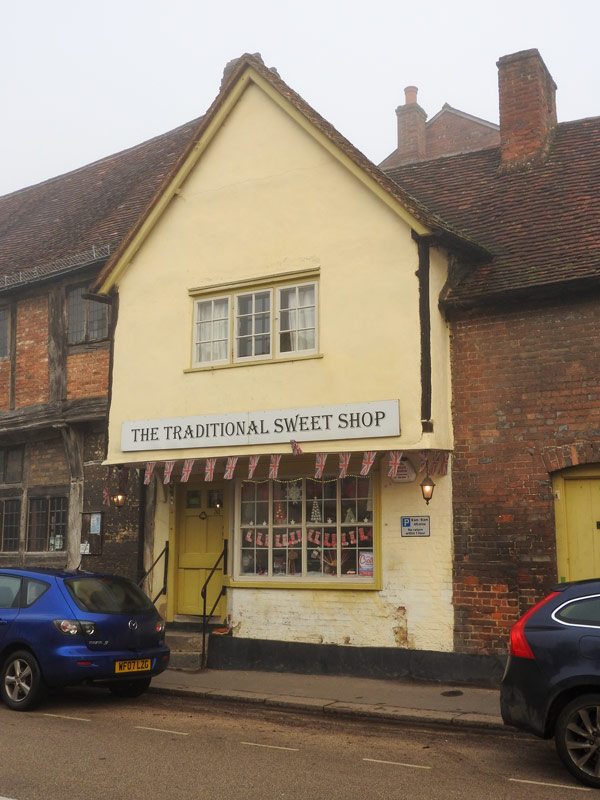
(108, 595)
(581, 612)
(34, 590)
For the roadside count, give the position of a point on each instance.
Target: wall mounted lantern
(427, 487)
(118, 499)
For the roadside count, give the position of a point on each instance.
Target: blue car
(551, 686)
(60, 628)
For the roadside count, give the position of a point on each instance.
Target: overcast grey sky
(82, 79)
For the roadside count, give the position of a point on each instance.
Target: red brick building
(525, 353)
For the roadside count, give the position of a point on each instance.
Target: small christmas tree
(279, 514)
(315, 514)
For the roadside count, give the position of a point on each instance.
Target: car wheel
(130, 688)
(577, 738)
(22, 686)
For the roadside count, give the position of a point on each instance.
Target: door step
(185, 640)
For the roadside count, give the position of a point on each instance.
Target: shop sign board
(312, 423)
(415, 526)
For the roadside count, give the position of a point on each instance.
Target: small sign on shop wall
(414, 526)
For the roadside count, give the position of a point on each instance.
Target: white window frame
(196, 340)
(303, 576)
(296, 353)
(234, 313)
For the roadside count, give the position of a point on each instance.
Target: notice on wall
(414, 526)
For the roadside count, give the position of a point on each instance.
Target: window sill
(238, 364)
(283, 583)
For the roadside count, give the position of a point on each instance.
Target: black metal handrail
(203, 593)
(164, 552)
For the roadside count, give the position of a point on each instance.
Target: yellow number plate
(136, 665)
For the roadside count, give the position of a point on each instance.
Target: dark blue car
(551, 685)
(62, 628)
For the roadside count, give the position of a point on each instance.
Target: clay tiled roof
(83, 215)
(542, 223)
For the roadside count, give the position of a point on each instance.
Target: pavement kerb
(489, 723)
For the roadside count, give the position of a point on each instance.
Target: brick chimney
(411, 128)
(527, 107)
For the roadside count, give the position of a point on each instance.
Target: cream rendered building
(280, 289)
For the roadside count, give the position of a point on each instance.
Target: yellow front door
(578, 525)
(199, 545)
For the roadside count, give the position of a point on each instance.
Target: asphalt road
(86, 744)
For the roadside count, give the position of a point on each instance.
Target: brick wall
(47, 463)
(526, 386)
(32, 385)
(87, 373)
(452, 133)
(120, 526)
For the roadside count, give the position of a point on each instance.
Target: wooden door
(581, 530)
(199, 544)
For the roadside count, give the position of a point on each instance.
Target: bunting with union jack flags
(209, 469)
(320, 460)
(168, 471)
(394, 460)
(148, 472)
(252, 465)
(274, 466)
(367, 462)
(344, 459)
(230, 467)
(187, 469)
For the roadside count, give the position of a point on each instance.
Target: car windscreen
(108, 595)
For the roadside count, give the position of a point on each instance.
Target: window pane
(306, 295)
(262, 346)
(244, 304)
(244, 347)
(262, 302)
(306, 318)
(287, 342)
(262, 323)
(582, 612)
(220, 329)
(205, 331)
(4, 332)
(9, 591)
(205, 352)
(306, 340)
(287, 298)
(76, 316)
(58, 523)
(108, 595)
(10, 523)
(97, 320)
(35, 589)
(221, 308)
(205, 311)
(37, 525)
(245, 326)
(219, 351)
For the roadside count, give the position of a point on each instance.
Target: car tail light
(519, 646)
(74, 627)
(160, 626)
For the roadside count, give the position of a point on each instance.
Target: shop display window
(306, 528)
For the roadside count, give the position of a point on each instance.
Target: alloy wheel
(18, 680)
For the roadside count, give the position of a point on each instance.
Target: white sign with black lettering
(314, 423)
(414, 526)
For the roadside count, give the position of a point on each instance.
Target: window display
(306, 528)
